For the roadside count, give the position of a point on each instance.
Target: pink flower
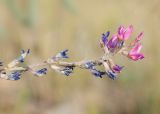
(135, 54)
(124, 33)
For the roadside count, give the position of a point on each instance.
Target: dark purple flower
(14, 75)
(23, 55)
(117, 68)
(97, 73)
(67, 70)
(42, 71)
(105, 37)
(111, 74)
(139, 37)
(89, 65)
(113, 42)
(62, 54)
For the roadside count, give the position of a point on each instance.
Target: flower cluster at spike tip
(116, 44)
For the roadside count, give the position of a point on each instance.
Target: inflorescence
(114, 45)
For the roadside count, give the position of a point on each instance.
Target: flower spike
(135, 54)
(111, 46)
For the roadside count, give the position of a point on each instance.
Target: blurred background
(49, 26)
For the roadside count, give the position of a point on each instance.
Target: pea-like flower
(97, 73)
(111, 74)
(113, 42)
(23, 55)
(89, 65)
(61, 55)
(135, 54)
(20, 59)
(41, 72)
(14, 75)
(105, 37)
(124, 33)
(117, 68)
(67, 70)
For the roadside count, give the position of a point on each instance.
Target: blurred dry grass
(48, 26)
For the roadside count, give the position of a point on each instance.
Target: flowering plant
(114, 45)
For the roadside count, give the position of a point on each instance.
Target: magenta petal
(136, 57)
(121, 30)
(128, 32)
(124, 33)
(134, 52)
(136, 49)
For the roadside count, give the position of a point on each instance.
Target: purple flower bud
(97, 73)
(41, 72)
(23, 55)
(14, 75)
(111, 74)
(67, 70)
(117, 68)
(89, 65)
(105, 37)
(62, 54)
(113, 43)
